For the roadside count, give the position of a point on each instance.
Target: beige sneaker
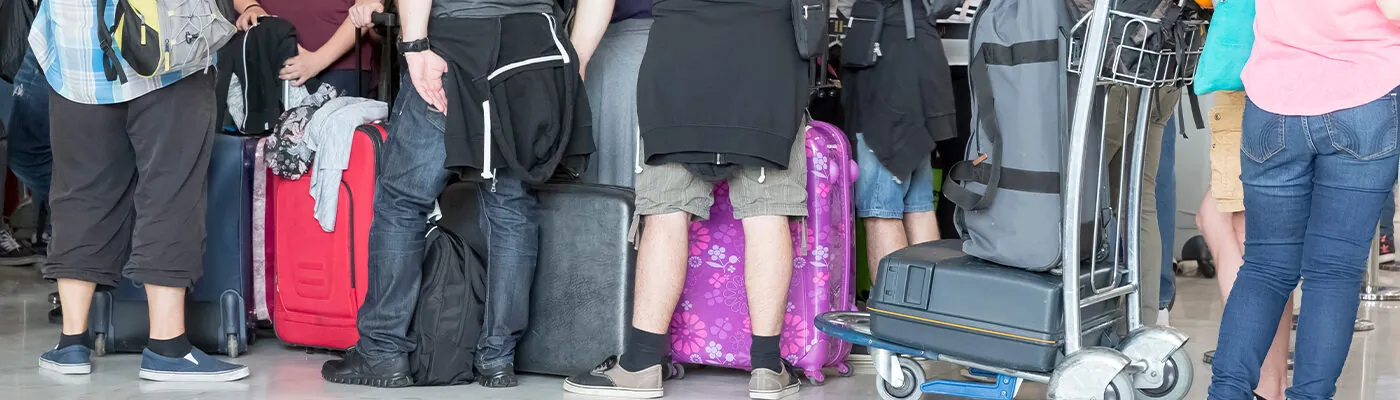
(609, 379)
(764, 384)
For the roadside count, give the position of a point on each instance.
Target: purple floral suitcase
(711, 325)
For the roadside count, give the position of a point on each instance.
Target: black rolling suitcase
(219, 310)
(931, 296)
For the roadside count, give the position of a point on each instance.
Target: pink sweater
(1312, 57)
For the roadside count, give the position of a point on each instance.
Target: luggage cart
(1150, 362)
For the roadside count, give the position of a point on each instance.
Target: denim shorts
(881, 194)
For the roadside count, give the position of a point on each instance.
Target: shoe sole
(165, 376)
(774, 394)
(374, 382)
(613, 391)
(20, 262)
(65, 369)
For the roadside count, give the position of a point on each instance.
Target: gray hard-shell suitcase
(581, 302)
(1009, 186)
(581, 305)
(933, 297)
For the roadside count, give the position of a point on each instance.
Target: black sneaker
(355, 369)
(13, 253)
(503, 378)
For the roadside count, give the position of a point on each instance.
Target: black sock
(765, 353)
(175, 347)
(73, 340)
(645, 350)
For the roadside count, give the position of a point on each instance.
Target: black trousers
(128, 196)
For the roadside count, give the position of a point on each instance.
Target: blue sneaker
(193, 367)
(71, 360)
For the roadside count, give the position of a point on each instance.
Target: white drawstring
(637, 157)
(762, 174)
(486, 171)
(555, 35)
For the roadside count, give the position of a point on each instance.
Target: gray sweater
(489, 8)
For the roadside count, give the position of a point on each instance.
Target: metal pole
(1371, 290)
(1094, 41)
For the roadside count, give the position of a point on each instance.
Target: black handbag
(16, 16)
(861, 47)
(809, 21)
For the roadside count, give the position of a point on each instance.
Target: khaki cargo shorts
(1226, 121)
(755, 192)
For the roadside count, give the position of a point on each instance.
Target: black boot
(355, 369)
(502, 378)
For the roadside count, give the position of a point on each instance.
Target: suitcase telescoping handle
(384, 19)
(387, 56)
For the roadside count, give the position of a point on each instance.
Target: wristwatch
(413, 46)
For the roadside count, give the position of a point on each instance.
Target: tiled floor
(1373, 371)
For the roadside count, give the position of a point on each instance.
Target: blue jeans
(411, 176)
(882, 194)
(29, 154)
(1313, 191)
(1166, 211)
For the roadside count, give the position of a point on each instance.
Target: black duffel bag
(16, 16)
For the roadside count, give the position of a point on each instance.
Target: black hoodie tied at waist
(515, 98)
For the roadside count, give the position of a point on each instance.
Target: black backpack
(451, 305)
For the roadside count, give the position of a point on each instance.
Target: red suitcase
(321, 277)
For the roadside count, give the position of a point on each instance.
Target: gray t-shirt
(489, 8)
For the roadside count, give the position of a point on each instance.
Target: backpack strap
(111, 62)
(981, 170)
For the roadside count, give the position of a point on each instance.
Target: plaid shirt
(64, 40)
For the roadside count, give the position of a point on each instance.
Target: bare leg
(768, 254)
(167, 308)
(922, 227)
(1224, 233)
(661, 271)
(882, 237)
(75, 297)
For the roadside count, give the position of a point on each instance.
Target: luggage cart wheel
(99, 345)
(1177, 374)
(909, 389)
(1120, 389)
(231, 345)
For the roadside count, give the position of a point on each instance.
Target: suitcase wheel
(231, 345)
(909, 389)
(676, 371)
(811, 378)
(99, 345)
(844, 370)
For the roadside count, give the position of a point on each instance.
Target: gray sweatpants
(128, 196)
(612, 94)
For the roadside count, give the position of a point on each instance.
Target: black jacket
(256, 57)
(522, 73)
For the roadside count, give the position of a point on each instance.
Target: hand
(361, 11)
(305, 65)
(583, 67)
(425, 69)
(249, 18)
